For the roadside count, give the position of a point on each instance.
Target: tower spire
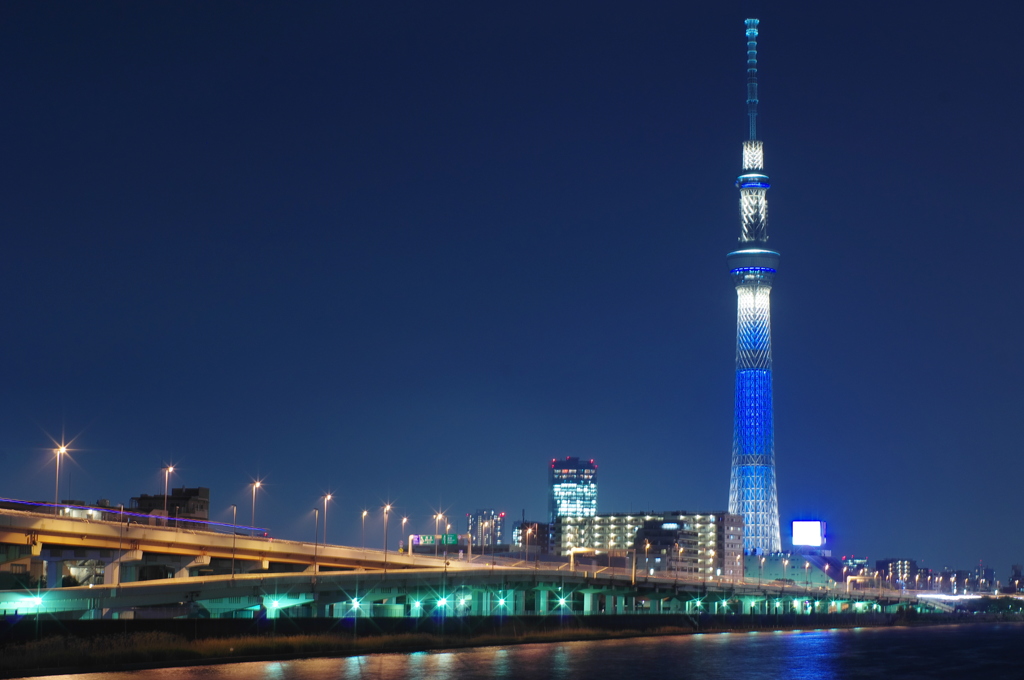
(752, 75)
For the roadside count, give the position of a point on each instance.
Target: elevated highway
(203, 573)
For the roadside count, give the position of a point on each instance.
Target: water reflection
(941, 652)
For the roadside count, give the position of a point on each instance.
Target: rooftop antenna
(752, 75)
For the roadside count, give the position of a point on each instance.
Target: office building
(572, 487)
(486, 527)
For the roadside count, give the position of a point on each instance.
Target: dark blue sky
(414, 251)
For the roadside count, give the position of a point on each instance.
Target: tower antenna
(752, 75)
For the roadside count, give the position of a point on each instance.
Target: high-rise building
(752, 491)
(487, 527)
(573, 485)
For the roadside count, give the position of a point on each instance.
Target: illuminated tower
(753, 265)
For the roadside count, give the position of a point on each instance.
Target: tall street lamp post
(387, 511)
(60, 451)
(234, 536)
(167, 475)
(364, 528)
(316, 535)
(327, 498)
(437, 519)
(120, 534)
(255, 485)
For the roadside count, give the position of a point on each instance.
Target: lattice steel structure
(752, 491)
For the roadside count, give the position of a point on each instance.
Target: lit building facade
(573, 488)
(487, 527)
(897, 571)
(712, 543)
(532, 537)
(752, 488)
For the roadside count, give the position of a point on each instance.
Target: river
(984, 651)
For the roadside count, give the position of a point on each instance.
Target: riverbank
(155, 649)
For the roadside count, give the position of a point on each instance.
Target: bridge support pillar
(518, 598)
(482, 602)
(542, 601)
(54, 573)
(112, 573)
(655, 603)
(588, 603)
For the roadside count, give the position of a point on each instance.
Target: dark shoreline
(143, 650)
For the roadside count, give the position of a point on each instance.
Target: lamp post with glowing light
(255, 485)
(364, 528)
(327, 497)
(234, 536)
(167, 475)
(387, 510)
(316, 535)
(437, 520)
(60, 451)
(404, 520)
(120, 536)
(760, 573)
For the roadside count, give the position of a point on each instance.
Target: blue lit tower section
(753, 265)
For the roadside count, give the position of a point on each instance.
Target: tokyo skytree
(753, 265)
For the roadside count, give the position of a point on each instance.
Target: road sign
(449, 539)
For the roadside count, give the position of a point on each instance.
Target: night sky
(413, 251)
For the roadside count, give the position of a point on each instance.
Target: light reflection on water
(988, 651)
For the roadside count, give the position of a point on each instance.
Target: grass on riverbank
(166, 649)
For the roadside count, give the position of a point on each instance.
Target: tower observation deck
(752, 491)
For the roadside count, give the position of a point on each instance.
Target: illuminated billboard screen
(808, 532)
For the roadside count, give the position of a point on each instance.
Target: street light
(364, 528)
(316, 534)
(760, 573)
(387, 509)
(327, 498)
(437, 519)
(62, 450)
(255, 485)
(167, 474)
(120, 535)
(234, 536)
(404, 520)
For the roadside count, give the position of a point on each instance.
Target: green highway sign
(449, 539)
